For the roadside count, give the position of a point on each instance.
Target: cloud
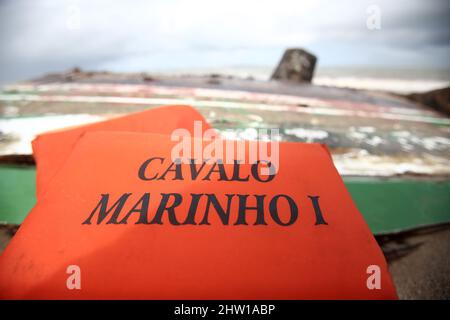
(40, 36)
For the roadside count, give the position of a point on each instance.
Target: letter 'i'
(318, 212)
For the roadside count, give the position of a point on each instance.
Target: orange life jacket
(246, 248)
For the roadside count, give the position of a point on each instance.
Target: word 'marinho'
(113, 212)
(198, 208)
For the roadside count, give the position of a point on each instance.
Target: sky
(40, 36)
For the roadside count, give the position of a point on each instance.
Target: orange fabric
(51, 149)
(304, 260)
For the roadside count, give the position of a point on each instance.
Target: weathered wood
(368, 133)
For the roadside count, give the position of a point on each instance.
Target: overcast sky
(39, 36)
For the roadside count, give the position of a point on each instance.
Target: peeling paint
(309, 135)
(361, 163)
(16, 134)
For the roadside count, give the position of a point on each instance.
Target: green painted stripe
(396, 204)
(388, 205)
(17, 192)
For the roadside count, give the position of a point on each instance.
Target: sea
(397, 80)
